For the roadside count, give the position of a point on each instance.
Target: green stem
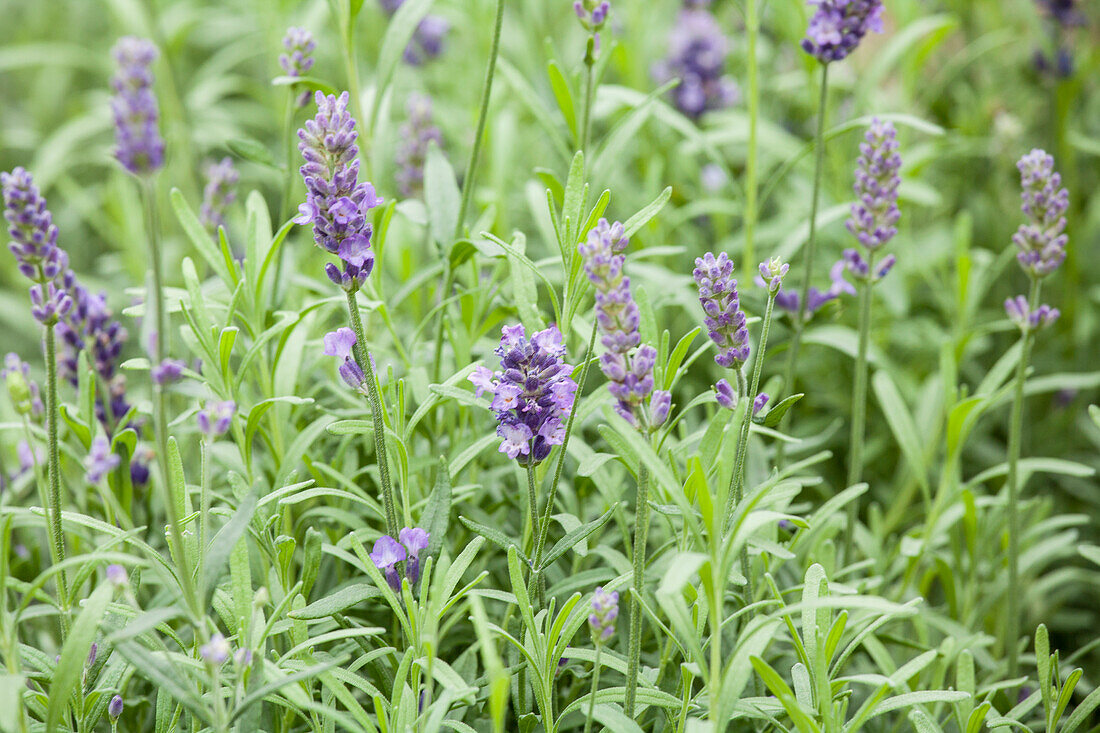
(589, 92)
(291, 174)
(1015, 431)
(803, 314)
(641, 530)
(532, 505)
(155, 300)
(363, 357)
(595, 689)
(859, 401)
(752, 31)
(544, 522)
(53, 475)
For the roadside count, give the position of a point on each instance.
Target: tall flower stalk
(337, 206)
(873, 222)
(1042, 249)
(628, 365)
(593, 16)
(34, 244)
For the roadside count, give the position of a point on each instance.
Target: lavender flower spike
(337, 203)
(216, 651)
(218, 193)
(838, 26)
(31, 228)
(697, 52)
(216, 419)
(605, 609)
(416, 135)
(140, 148)
(100, 461)
(724, 319)
(875, 214)
(532, 393)
(386, 554)
(415, 541)
(1028, 320)
(339, 343)
(1042, 241)
(298, 59)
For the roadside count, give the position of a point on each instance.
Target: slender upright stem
(155, 300)
(544, 522)
(53, 476)
(595, 689)
(589, 93)
(289, 147)
(859, 402)
(641, 531)
(1015, 431)
(803, 314)
(363, 357)
(532, 505)
(752, 32)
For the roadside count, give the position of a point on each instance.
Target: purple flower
(90, 327)
(1042, 241)
(340, 343)
(168, 371)
(1063, 12)
(114, 708)
(416, 135)
(415, 541)
(298, 59)
(116, 576)
(386, 554)
(724, 394)
(875, 214)
(772, 273)
(216, 651)
(789, 300)
(533, 392)
(218, 193)
(605, 609)
(723, 317)
(837, 27)
(861, 268)
(697, 52)
(22, 390)
(592, 13)
(100, 460)
(427, 40)
(759, 402)
(242, 657)
(1028, 320)
(336, 203)
(215, 420)
(31, 228)
(627, 363)
(139, 466)
(49, 303)
(140, 148)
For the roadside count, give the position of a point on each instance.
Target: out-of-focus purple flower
(1042, 241)
(837, 27)
(31, 228)
(216, 651)
(339, 343)
(1028, 320)
(298, 59)
(214, 420)
(861, 269)
(416, 135)
(1063, 12)
(219, 192)
(428, 38)
(875, 213)
(93, 652)
(139, 466)
(337, 203)
(116, 576)
(22, 390)
(114, 708)
(592, 13)
(90, 327)
(168, 372)
(759, 402)
(724, 393)
(713, 177)
(415, 541)
(627, 363)
(140, 148)
(605, 609)
(100, 460)
(242, 657)
(772, 273)
(49, 303)
(28, 458)
(723, 317)
(385, 555)
(533, 392)
(789, 301)
(1061, 66)
(697, 52)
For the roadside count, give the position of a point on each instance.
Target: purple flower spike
(386, 554)
(723, 392)
(140, 148)
(772, 273)
(1028, 320)
(533, 392)
(415, 541)
(298, 59)
(723, 317)
(416, 136)
(697, 52)
(759, 403)
(592, 13)
(838, 26)
(340, 343)
(100, 460)
(31, 228)
(219, 192)
(605, 609)
(49, 303)
(428, 38)
(216, 419)
(337, 203)
(875, 214)
(1042, 241)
